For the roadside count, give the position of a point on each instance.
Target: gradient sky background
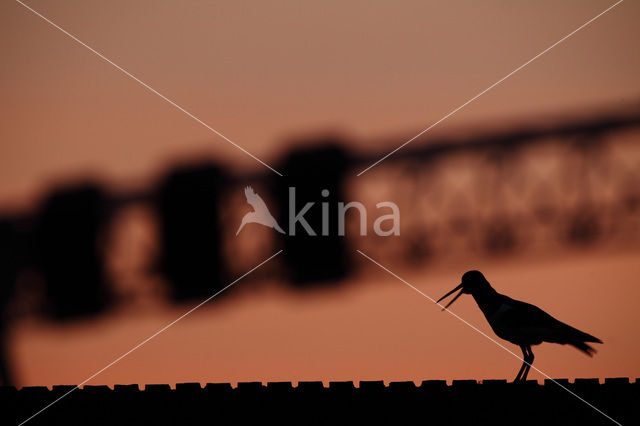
(261, 71)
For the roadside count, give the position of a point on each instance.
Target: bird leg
(529, 360)
(524, 364)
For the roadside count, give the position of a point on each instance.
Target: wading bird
(518, 322)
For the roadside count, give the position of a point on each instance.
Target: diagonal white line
(150, 337)
(489, 337)
(490, 87)
(151, 89)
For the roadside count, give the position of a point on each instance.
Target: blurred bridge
(535, 186)
(463, 402)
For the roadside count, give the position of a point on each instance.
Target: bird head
(472, 282)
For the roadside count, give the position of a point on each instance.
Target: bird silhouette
(518, 322)
(260, 213)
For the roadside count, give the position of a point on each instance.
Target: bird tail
(579, 342)
(241, 226)
(277, 227)
(582, 346)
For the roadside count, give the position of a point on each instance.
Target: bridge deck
(432, 402)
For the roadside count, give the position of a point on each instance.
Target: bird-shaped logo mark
(260, 213)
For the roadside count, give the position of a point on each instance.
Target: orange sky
(376, 328)
(259, 72)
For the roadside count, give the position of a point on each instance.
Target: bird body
(518, 322)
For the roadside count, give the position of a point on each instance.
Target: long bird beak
(452, 300)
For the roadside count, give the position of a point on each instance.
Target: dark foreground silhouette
(518, 322)
(433, 402)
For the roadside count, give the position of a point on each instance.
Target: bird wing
(254, 200)
(537, 323)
